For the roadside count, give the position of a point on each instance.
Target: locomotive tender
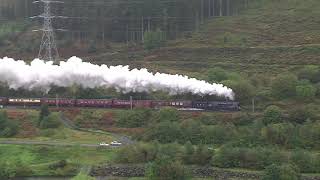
(124, 104)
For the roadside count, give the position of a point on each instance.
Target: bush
(281, 172)
(300, 115)
(217, 75)
(202, 155)
(304, 161)
(218, 134)
(230, 157)
(138, 153)
(44, 112)
(284, 86)
(7, 128)
(243, 90)
(191, 131)
(165, 132)
(283, 134)
(306, 91)
(272, 114)
(309, 134)
(166, 169)
(135, 118)
(50, 121)
(188, 153)
(168, 114)
(58, 165)
(310, 72)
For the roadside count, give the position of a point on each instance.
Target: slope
(268, 37)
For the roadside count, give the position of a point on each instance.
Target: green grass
(64, 135)
(39, 158)
(45, 154)
(61, 134)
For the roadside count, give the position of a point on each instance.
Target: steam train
(124, 104)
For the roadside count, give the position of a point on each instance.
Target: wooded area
(124, 20)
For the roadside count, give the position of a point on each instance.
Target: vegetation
(46, 119)
(281, 172)
(124, 19)
(267, 58)
(153, 40)
(7, 128)
(272, 114)
(82, 176)
(165, 168)
(136, 118)
(17, 160)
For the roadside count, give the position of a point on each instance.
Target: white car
(115, 143)
(104, 144)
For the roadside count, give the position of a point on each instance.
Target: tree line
(124, 20)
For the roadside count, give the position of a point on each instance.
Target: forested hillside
(123, 20)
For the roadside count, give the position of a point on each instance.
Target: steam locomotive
(124, 104)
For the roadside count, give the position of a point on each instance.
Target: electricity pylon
(48, 47)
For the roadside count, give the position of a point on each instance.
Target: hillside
(267, 37)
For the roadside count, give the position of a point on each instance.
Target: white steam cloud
(40, 74)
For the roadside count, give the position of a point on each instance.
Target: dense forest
(123, 20)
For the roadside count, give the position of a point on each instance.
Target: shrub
(135, 118)
(272, 114)
(304, 161)
(230, 157)
(168, 114)
(244, 91)
(50, 121)
(217, 75)
(310, 72)
(188, 153)
(284, 86)
(44, 112)
(164, 132)
(218, 134)
(7, 128)
(283, 134)
(165, 168)
(309, 134)
(300, 115)
(281, 172)
(306, 91)
(202, 155)
(138, 153)
(57, 165)
(191, 131)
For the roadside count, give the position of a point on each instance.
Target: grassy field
(28, 131)
(65, 135)
(42, 158)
